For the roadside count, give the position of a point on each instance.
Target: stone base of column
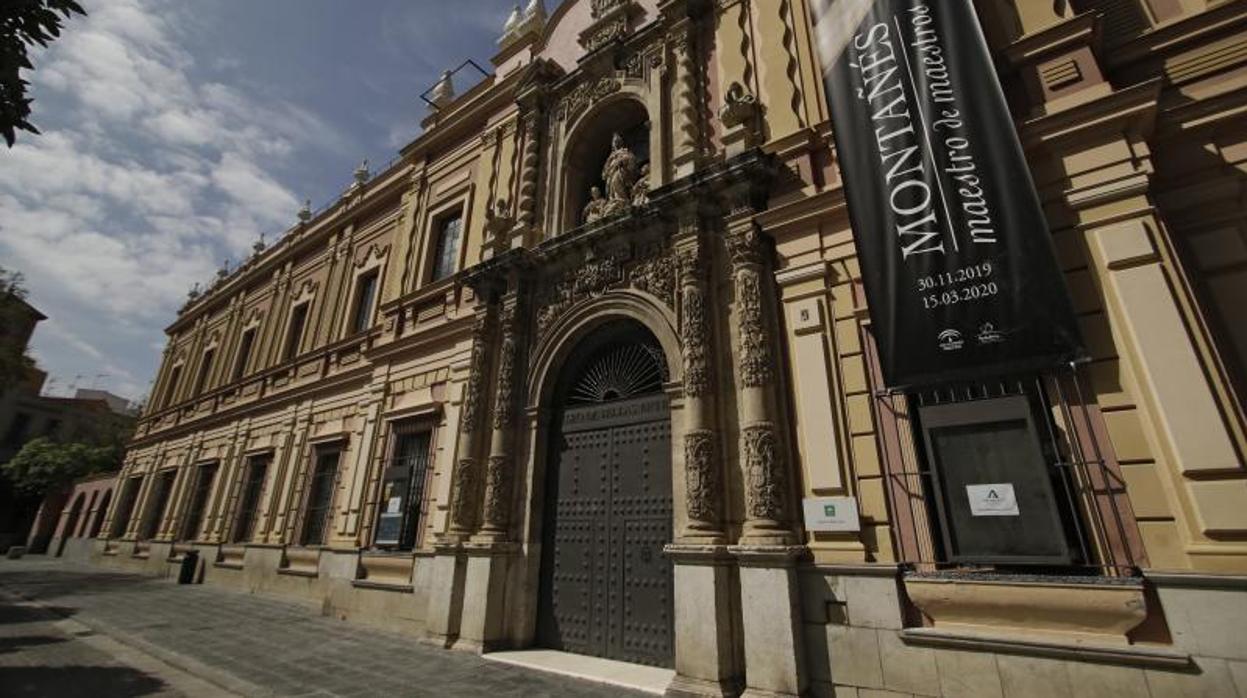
(483, 625)
(771, 619)
(707, 657)
(446, 595)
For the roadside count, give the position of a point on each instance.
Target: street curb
(220, 678)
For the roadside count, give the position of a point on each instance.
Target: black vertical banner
(956, 256)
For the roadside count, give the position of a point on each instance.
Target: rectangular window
(249, 506)
(205, 371)
(446, 254)
(17, 430)
(402, 488)
(125, 505)
(157, 502)
(294, 337)
(320, 496)
(365, 293)
(245, 345)
(205, 475)
(175, 377)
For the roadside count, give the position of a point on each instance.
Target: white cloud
(153, 177)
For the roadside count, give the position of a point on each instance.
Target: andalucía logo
(950, 340)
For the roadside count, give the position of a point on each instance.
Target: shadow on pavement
(11, 614)
(74, 681)
(19, 642)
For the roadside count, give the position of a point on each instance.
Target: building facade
(574, 369)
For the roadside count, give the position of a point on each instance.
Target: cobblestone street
(78, 631)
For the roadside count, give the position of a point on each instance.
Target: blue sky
(175, 132)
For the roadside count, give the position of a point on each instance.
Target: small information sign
(831, 514)
(992, 500)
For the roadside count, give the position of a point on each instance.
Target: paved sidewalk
(128, 635)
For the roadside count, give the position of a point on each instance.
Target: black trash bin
(190, 563)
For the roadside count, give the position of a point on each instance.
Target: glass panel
(363, 302)
(159, 502)
(298, 318)
(205, 370)
(446, 258)
(244, 353)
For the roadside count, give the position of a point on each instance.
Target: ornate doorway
(606, 589)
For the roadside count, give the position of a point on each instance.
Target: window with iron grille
(320, 496)
(401, 505)
(175, 377)
(446, 254)
(248, 506)
(205, 475)
(1006, 474)
(125, 505)
(158, 502)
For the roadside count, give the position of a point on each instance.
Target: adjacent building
(590, 367)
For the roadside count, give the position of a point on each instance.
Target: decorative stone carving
(584, 96)
(653, 271)
(528, 169)
(640, 190)
(656, 276)
(463, 514)
(695, 335)
(604, 34)
(595, 210)
(701, 480)
(498, 493)
(764, 473)
(504, 400)
(756, 368)
(599, 8)
(476, 374)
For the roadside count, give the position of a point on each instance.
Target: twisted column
(530, 163)
(500, 468)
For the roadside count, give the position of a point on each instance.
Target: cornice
(1132, 109)
(1173, 36)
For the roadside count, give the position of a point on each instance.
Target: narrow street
(79, 631)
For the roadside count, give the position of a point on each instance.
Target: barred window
(320, 496)
(401, 505)
(248, 507)
(205, 475)
(446, 254)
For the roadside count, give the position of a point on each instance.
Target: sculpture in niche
(640, 190)
(596, 208)
(621, 174)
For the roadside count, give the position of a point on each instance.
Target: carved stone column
(499, 469)
(530, 163)
(767, 552)
(767, 497)
(702, 459)
(687, 99)
(468, 470)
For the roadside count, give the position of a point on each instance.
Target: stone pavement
(70, 630)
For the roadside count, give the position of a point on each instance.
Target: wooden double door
(606, 588)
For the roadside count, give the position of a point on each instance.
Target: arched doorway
(71, 524)
(606, 589)
(97, 519)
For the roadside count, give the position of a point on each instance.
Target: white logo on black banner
(950, 340)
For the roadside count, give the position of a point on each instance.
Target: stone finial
(443, 91)
(361, 173)
(223, 271)
(259, 245)
(193, 293)
(513, 22)
(305, 213)
(535, 9)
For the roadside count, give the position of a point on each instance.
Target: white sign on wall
(992, 500)
(831, 514)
